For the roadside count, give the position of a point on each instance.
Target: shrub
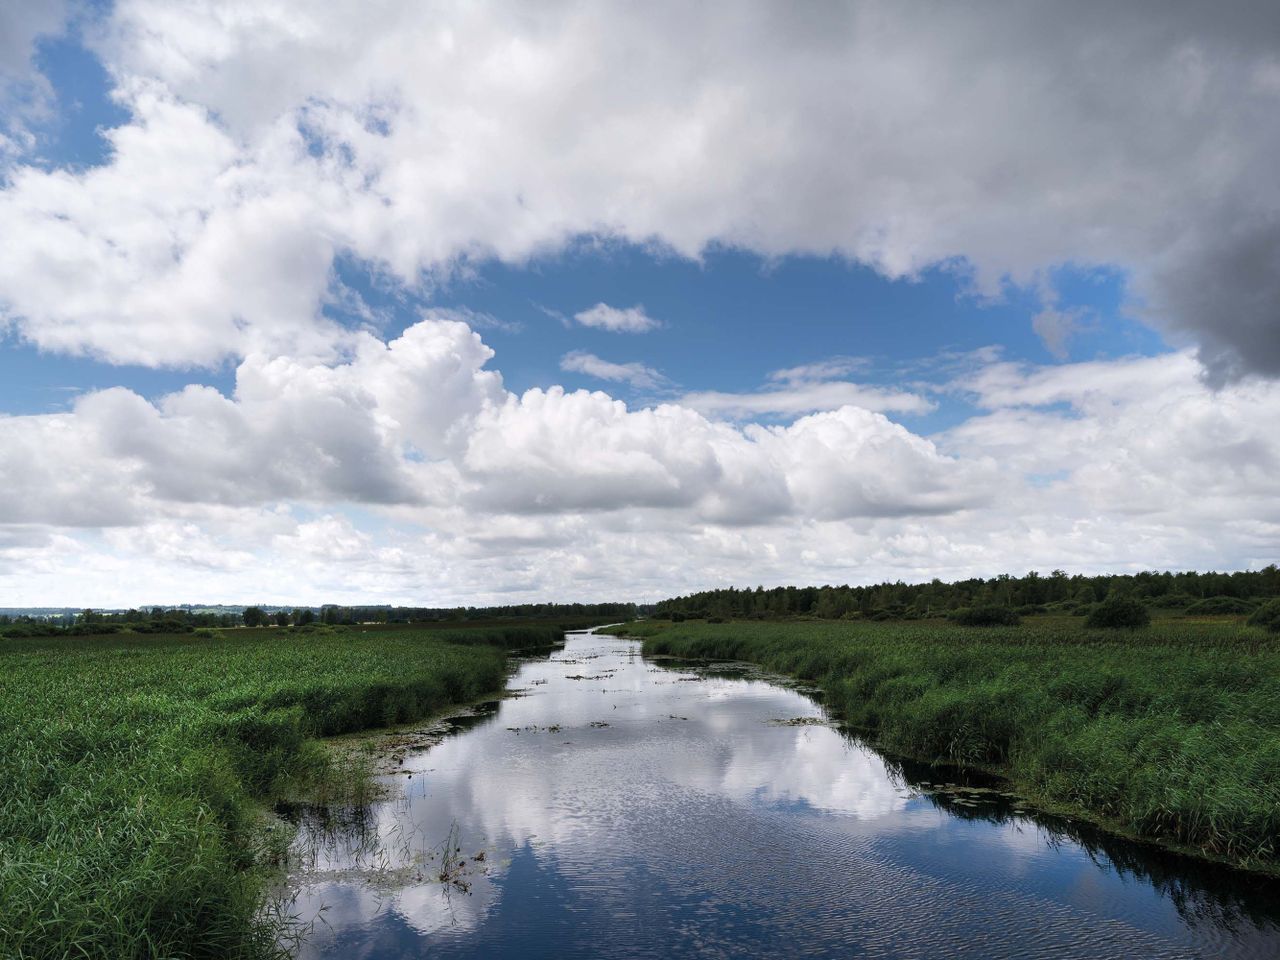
(1219, 606)
(1115, 612)
(1267, 615)
(986, 616)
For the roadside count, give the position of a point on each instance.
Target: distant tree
(304, 616)
(254, 616)
(281, 618)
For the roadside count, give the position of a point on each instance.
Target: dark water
(695, 824)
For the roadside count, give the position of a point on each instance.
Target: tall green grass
(132, 769)
(1171, 732)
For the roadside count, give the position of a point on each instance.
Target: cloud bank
(268, 144)
(409, 472)
(265, 141)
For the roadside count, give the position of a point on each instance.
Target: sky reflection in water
(695, 824)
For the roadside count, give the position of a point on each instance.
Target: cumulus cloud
(636, 374)
(407, 472)
(629, 320)
(351, 432)
(418, 421)
(264, 141)
(268, 141)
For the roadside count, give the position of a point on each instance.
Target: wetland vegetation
(143, 750)
(136, 768)
(1168, 733)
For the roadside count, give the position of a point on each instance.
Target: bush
(986, 616)
(1219, 606)
(1116, 612)
(1267, 615)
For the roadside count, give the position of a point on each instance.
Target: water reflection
(627, 808)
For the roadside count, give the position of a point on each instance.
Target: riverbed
(617, 806)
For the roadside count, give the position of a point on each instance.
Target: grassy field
(134, 768)
(1171, 732)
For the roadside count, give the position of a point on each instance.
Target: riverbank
(1170, 734)
(136, 768)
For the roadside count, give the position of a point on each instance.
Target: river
(625, 807)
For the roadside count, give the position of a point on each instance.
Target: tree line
(1033, 592)
(181, 620)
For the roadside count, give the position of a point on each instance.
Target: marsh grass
(135, 769)
(1171, 732)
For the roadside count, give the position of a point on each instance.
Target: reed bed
(1171, 732)
(135, 769)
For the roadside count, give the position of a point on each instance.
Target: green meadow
(1169, 732)
(135, 771)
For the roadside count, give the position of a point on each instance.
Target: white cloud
(266, 140)
(1057, 328)
(24, 92)
(799, 397)
(636, 374)
(408, 473)
(616, 320)
(828, 369)
(808, 388)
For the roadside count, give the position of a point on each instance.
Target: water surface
(623, 807)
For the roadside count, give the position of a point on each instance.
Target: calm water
(624, 807)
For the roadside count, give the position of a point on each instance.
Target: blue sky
(967, 323)
(727, 319)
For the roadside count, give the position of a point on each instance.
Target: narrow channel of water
(623, 807)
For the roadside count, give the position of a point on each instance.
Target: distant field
(1170, 732)
(133, 768)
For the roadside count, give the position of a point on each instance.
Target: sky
(470, 303)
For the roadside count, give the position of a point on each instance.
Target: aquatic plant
(1171, 732)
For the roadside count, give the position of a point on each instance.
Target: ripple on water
(627, 808)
